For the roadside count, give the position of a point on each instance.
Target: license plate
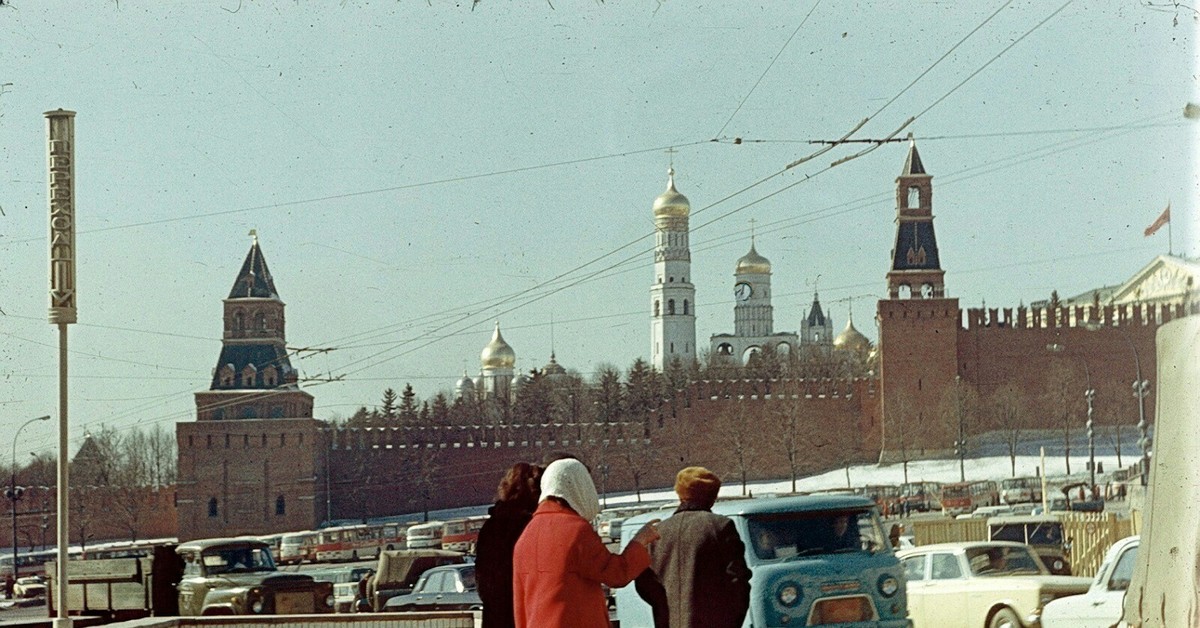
(293, 603)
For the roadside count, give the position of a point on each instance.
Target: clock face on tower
(741, 291)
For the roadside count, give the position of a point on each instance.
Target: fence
(1090, 534)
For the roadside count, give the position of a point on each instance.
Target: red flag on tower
(1163, 219)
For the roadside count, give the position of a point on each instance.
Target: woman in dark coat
(516, 499)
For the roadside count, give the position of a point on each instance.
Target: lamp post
(960, 445)
(1140, 388)
(15, 492)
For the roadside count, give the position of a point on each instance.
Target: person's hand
(648, 534)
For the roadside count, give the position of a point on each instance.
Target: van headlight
(888, 585)
(1058, 564)
(256, 606)
(789, 594)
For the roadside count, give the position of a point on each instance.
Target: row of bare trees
(115, 476)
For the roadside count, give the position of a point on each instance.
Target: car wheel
(1004, 618)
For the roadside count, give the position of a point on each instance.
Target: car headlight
(257, 606)
(888, 585)
(789, 594)
(329, 600)
(1058, 564)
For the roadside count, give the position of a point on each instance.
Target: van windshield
(796, 534)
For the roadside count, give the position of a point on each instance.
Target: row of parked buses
(364, 541)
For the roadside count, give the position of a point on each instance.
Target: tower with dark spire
(918, 322)
(816, 329)
(916, 271)
(250, 462)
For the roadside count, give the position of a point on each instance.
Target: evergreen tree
(408, 406)
(607, 395)
(439, 412)
(388, 409)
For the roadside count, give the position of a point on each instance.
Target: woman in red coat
(559, 562)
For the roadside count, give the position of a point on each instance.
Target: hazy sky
(419, 170)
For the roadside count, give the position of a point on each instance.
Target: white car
(29, 586)
(1101, 605)
(996, 584)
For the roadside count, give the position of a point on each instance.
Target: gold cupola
(671, 203)
(498, 354)
(752, 263)
(851, 339)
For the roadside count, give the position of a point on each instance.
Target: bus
(919, 496)
(355, 542)
(460, 535)
(888, 498)
(297, 547)
(425, 535)
(964, 497)
(1021, 490)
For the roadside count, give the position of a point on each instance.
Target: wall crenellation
(1078, 316)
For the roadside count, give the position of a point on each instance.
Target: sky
(417, 171)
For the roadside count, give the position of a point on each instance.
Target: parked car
(449, 588)
(397, 573)
(981, 585)
(802, 572)
(237, 576)
(1044, 533)
(345, 594)
(1101, 605)
(29, 587)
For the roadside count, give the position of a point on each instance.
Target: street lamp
(1140, 388)
(14, 492)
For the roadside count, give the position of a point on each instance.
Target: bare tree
(1006, 408)
(736, 428)
(1059, 395)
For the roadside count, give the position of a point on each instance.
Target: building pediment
(1165, 279)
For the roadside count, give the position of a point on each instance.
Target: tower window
(914, 197)
(672, 347)
(280, 506)
(248, 374)
(260, 321)
(239, 321)
(212, 507)
(670, 280)
(226, 376)
(670, 306)
(249, 413)
(656, 307)
(685, 307)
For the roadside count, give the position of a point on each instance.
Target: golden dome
(753, 263)
(671, 203)
(851, 339)
(497, 353)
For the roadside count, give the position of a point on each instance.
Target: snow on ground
(945, 470)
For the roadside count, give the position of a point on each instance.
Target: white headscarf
(570, 481)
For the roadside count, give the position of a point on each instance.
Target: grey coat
(698, 574)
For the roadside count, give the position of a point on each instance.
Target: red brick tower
(250, 462)
(918, 326)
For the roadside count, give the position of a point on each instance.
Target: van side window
(945, 567)
(1123, 572)
(914, 568)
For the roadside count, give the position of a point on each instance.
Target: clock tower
(753, 316)
(672, 295)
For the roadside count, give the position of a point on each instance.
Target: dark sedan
(447, 588)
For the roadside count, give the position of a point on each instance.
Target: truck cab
(237, 576)
(803, 573)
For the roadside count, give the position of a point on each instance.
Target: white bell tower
(672, 295)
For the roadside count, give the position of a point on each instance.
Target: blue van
(816, 560)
